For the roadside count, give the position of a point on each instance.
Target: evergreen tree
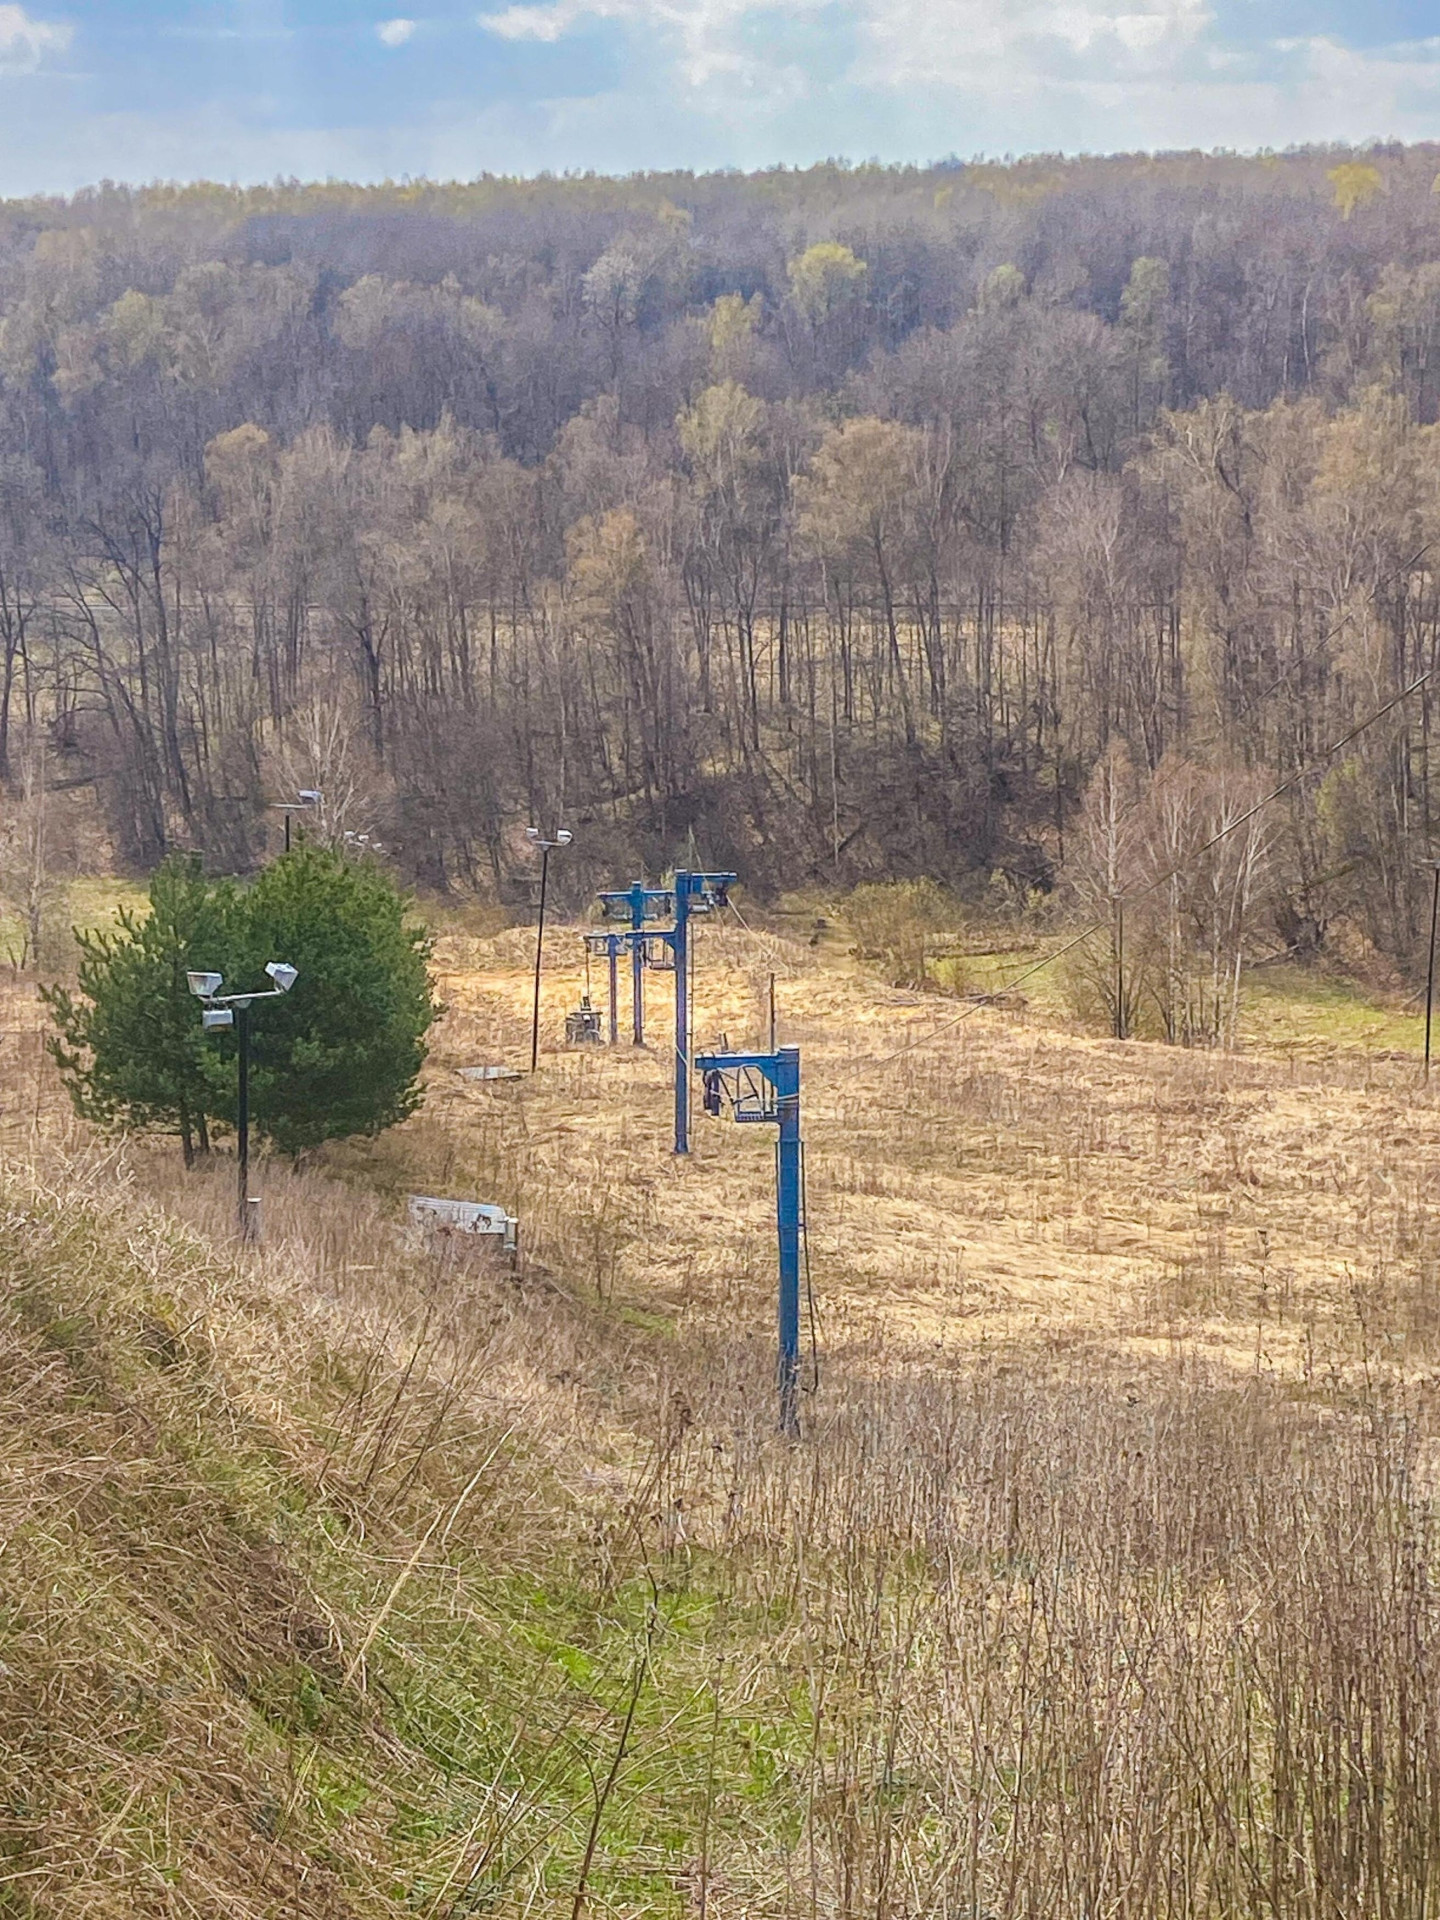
(129, 1045)
(340, 1054)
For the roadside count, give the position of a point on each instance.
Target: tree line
(987, 522)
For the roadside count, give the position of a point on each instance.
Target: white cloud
(955, 46)
(714, 41)
(914, 78)
(749, 83)
(24, 42)
(530, 23)
(972, 43)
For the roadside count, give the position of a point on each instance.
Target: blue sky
(251, 89)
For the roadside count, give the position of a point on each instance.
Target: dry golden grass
(346, 1577)
(1001, 1180)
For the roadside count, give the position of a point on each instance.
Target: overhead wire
(1319, 644)
(1163, 879)
(1213, 739)
(814, 1386)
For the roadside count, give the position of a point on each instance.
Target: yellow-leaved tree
(826, 280)
(1356, 183)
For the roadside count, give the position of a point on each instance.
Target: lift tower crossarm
(766, 1087)
(637, 904)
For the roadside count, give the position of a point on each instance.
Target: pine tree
(340, 1054)
(129, 1045)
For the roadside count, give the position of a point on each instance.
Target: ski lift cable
(1172, 873)
(1152, 886)
(814, 1386)
(1337, 625)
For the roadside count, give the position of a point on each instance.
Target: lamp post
(1434, 866)
(1117, 954)
(305, 801)
(233, 1010)
(563, 837)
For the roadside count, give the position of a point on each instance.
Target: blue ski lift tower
(607, 946)
(764, 1088)
(637, 904)
(694, 893)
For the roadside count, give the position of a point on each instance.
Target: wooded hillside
(1021, 521)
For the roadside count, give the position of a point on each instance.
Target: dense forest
(1015, 525)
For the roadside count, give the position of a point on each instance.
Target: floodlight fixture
(213, 1017)
(284, 976)
(310, 796)
(205, 985)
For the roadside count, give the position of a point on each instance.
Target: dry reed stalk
(1103, 1582)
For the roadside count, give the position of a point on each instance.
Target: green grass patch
(423, 1723)
(1284, 1010)
(1293, 1009)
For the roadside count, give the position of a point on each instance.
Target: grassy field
(88, 901)
(351, 1577)
(1284, 1009)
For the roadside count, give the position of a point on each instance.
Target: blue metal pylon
(637, 904)
(609, 944)
(765, 1087)
(694, 893)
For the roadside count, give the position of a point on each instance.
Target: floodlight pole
(734, 1075)
(233, 1010)
(539, 950)
(562, 839)
(304, 802)
(1430, 964)
(612, 946)
(242, 1117)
